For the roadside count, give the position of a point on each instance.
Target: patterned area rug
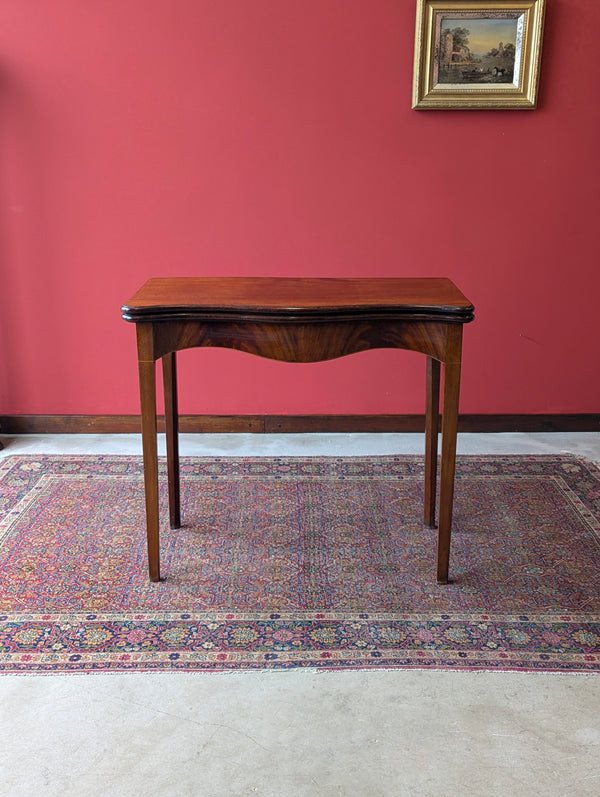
(299, 562)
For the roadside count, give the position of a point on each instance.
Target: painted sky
(484, 33)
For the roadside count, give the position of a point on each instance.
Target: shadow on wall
(28, 273)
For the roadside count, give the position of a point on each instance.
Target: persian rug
(299, 562)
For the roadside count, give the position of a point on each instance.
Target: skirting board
(293, 424)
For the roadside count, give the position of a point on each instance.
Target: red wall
(144, 138)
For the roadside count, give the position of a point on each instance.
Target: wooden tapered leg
(148, 407)
(448, 467)
(432, 416)
(169, 369)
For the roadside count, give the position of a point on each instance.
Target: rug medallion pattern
(299, 562)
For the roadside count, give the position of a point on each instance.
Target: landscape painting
(478, 49)
(477, 54)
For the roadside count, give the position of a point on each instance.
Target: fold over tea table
(300, 320)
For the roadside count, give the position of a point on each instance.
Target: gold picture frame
(482, 54)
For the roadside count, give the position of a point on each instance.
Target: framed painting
(482, 54)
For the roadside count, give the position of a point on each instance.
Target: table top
(200, 297)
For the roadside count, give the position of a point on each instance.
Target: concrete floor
(319, 734)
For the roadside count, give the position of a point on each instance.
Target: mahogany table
(299, 320)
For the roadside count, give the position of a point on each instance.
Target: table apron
(302, 341)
